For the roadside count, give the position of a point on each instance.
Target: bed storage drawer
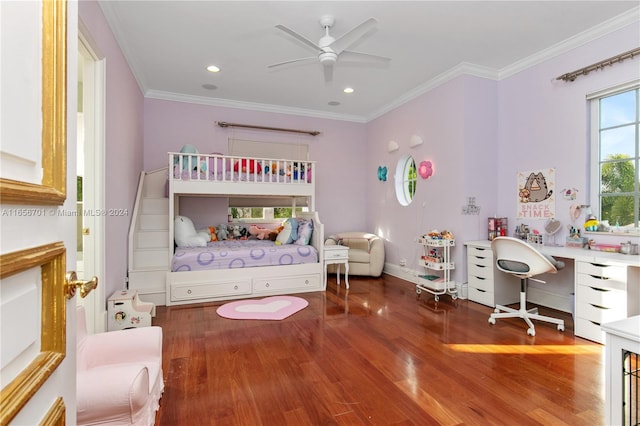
(207, 290)
(302, 282)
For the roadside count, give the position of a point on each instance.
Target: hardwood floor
(374, 355)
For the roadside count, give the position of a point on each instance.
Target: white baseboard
(404, 273)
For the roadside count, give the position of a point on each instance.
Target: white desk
(606, 285)
(338, 255)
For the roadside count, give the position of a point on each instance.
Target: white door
(38, 39)
(90, 155)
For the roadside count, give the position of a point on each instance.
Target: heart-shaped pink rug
(269, 308)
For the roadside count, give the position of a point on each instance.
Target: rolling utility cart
(436, 260)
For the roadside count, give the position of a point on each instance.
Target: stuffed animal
(289, 232)
(254, 166)
(221, 232)
(185, 233)
(212, 232)
(190, 149)
(259, 232)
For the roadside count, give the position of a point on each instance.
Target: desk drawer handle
(599, 289)
(480, 278)
(598, 306)
(235, 287)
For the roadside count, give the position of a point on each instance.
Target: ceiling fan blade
(328, 73)
(299, 37)
(350, 37)
(350, 55)
(307, 59)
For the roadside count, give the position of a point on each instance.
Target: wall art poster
(536, 198)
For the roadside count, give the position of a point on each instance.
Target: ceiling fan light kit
(329, 49)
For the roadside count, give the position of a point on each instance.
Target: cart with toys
(436, 260)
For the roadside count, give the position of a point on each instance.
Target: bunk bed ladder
(148, 257)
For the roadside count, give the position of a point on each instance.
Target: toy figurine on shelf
(591, 224)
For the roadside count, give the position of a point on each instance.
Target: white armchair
(119, 375)
(366, 252)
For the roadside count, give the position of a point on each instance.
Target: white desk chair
(520, 259)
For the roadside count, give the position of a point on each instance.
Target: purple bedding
(231, 254)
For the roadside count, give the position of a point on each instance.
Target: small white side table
(336, 254)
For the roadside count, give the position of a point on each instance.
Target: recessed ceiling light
(213, 68)
(348, 90)
(209, 86)
(334, 103)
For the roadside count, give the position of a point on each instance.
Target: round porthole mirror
(406, 178)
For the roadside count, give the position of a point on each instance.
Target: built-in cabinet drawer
(601, 296)
(303, 282)
(208, 290)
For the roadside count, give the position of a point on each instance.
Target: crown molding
(251, 106)
(464, 68)
(580, 39)
(113, 19)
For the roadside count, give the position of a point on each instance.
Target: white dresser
(486, 284)
(601, 297)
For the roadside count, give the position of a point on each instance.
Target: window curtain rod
(571, 76)
(277, 129)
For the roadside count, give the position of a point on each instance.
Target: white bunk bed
(223, 176)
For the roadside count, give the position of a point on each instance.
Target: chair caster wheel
(437, 299)
(492, 320)
(531, 332)
(560, 327)
(454, 297)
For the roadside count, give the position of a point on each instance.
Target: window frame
(405, 184)
(596, 162)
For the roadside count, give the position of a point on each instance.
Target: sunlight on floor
(527, 349)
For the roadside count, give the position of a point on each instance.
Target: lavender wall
(457, 122)
(544, 123)
(339, 150)
(124, 137)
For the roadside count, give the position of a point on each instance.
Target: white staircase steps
(149, 238)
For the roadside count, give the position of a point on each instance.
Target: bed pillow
(289, 232)
(305, 229)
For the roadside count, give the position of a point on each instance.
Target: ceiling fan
(329, 49)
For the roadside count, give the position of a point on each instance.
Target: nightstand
(336, 254)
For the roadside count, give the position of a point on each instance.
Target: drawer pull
(599, 289)
(480, 290)
(598, 306)
(480, 278)
(267, 285)
(593, 322)
(189, 291)
(306, 281)
(235, 287)
(598, 277)
(480, 257)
